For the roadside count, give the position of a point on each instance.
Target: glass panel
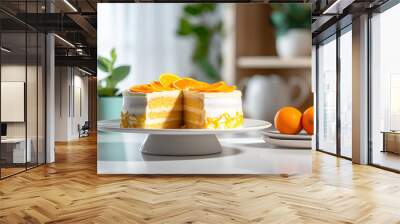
(31, 99)
(346, 94)
(385, 89)
(32, 89)
(23, 90)
(13, 86)
(41, 98)
(327, 96)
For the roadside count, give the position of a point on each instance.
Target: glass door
(22, 98)
(14, 153)
(345, 93)
(326, 95)
(385, 89)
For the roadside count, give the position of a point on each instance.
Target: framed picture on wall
(12, 101)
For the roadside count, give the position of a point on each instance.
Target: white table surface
(242, 154)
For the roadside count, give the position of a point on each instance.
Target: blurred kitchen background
(264, 49)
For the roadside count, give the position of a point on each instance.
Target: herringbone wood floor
(70, 191)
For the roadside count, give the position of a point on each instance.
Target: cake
(175, 102)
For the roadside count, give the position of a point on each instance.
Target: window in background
(327, 96)
(150, 46)
(346, 93)
(385, 89)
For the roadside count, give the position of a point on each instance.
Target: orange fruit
(288, 120)
(188, 83)
(168, 79)
(308, 120)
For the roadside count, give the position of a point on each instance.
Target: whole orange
(308, 120)
(288, 120)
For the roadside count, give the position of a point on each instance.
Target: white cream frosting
(216, 104)
(136, 103)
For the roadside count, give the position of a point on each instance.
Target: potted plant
(201, 22)
(292, 23)
(110, 99)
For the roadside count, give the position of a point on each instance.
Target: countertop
(241, 154)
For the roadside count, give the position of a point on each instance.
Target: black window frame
(332, 33)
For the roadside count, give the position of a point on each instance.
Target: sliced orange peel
(169, 81)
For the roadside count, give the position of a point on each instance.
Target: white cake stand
(181, 142)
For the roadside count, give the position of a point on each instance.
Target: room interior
(26, 103)
(352, 74)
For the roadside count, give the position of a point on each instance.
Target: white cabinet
(13, 150)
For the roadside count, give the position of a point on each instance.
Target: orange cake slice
(152, 110)
(213, 110)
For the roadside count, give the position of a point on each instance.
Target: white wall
(79, 117)
(70, 83)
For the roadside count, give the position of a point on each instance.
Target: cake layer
(177, 114)
(140, 103)
(164, 102)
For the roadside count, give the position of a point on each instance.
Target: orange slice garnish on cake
(168, 79)
(188, 84)
(144, 88)
(158, 87)
(217, 87)
(224, 89)
(212, 86)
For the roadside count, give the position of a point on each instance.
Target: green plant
(194, 23)
(107, 86)
(290, 15)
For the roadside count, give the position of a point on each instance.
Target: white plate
(287, 143)
(249, 125)
(276, 135)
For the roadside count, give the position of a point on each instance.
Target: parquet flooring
(70, 191)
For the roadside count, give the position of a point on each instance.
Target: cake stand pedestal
(181, 142)
(178, 145)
